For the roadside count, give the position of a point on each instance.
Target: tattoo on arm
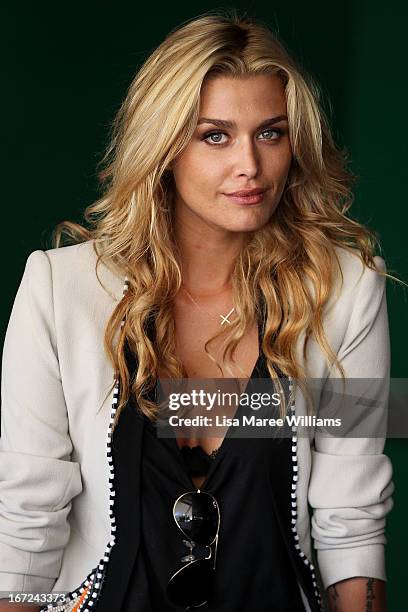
(333, 597)
(370, 595)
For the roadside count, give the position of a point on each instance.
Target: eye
(272, 133)
(213, 138)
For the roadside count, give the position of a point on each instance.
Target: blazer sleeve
(37, 478)
(351, 480)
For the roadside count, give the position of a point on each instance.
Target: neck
(208, 256)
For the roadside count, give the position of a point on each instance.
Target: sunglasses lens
(197, 516)
(191, 585)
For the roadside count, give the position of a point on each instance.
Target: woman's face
(241, 143)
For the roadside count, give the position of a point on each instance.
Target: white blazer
(56, 517)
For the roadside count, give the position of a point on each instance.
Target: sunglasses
(197, 515)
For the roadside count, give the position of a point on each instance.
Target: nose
(246, 161)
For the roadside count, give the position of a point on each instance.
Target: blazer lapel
(127, 442)
(284, 477)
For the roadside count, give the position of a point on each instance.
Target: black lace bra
(196, 460)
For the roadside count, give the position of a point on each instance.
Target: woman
(220, 248)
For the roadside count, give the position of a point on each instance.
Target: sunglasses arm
(215, 550)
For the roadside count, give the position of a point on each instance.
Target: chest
(198, 355)
(192, 334)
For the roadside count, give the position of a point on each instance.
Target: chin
(252, 222)
(250, 226)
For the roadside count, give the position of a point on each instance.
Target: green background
(68, 68)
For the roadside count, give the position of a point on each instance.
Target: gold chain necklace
(224, 318)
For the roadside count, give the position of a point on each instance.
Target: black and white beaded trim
(94, 580)
(294, 512)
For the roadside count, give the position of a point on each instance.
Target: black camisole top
(254, 571)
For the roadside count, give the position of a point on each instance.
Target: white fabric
(57, 388)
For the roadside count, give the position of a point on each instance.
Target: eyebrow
(223, 123)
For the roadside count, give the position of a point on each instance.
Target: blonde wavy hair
(131, 223)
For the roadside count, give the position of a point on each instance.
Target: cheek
(197, 172)
(280, 164)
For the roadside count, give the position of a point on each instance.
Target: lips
(247, 197)
(246, 193)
